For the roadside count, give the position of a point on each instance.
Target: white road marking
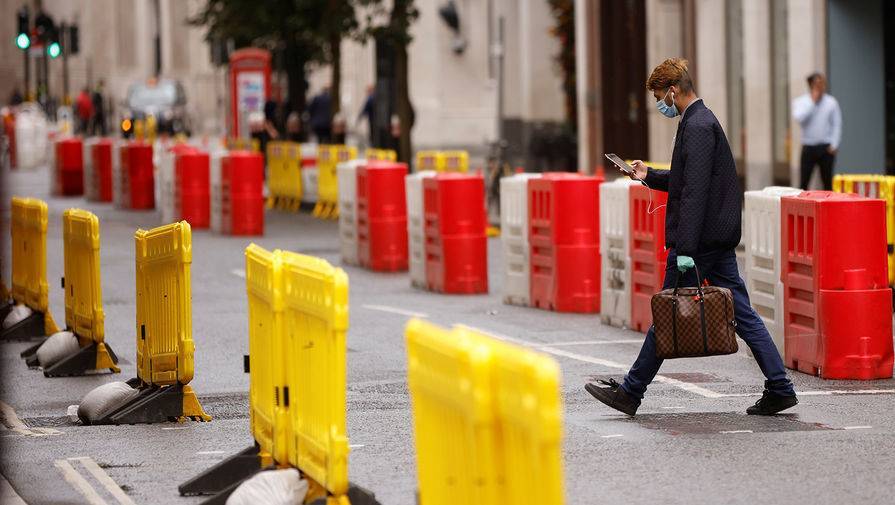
(857, 427)
(730, 432)
(669, 408)
(176, 428)
(352, 446)
(79, 483)
(686, 386)
(612, 436)
(8, 494)
(394, 310)
(12, 422)
(205, 453)
(99, 474)
(239, 272)
(593, 342)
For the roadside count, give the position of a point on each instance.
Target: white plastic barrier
(615, 268)
(514, 237)
(416, 227)
(217, 194)
(761, 224)
(164, 185)
(308, 174)
(347, 179)
(91, 181)
(32, 143)
(120, 189)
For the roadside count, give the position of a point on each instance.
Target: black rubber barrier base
(26, 329)
(221, 476)
(156, 404)
(93, 357)
(356, 496)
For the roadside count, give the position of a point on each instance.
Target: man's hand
(832, 151)
(684, 263)
(816, 94)
(640, 169)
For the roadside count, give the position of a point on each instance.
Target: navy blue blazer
(704, 195)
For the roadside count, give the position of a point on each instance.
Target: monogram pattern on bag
(680, 315)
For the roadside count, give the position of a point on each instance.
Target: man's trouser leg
(725, 274)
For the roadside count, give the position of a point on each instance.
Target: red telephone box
(249, 87)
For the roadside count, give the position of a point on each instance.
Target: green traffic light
(23, 41)
(54, 50)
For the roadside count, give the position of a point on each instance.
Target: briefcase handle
(698, 282)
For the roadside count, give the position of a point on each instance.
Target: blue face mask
(669, 111)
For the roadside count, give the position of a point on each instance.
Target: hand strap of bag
(701, 295)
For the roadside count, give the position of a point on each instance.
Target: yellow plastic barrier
(454, 161)
(487, 419)
(241, 144)
(292, 186)
(380, 155)
(874, 186)
(429, 160)
(328, 158)
(83, 292)
(164, 311)
(267, 408)
(29, 258)
(316, 321)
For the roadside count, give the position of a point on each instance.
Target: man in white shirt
(821, 120)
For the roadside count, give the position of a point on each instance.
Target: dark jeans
(720, 268)
(817, 155)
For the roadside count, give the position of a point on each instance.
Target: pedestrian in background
(84, 107)
(340, 128)
(821, 120)
(99, 110)
(293, 127)
(702, 230)
(321, 113)
(369, 111)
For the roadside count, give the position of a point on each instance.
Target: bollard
(615, 252)
(382, 216)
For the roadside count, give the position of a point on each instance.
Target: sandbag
(272, 487)
(103, 400)
(56, 347)
(17, 315)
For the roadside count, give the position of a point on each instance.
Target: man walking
(702, 228)
(821, 120)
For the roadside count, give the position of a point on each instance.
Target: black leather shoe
(771, 403)
(612, 394)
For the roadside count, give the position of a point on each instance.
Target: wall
(856, 28)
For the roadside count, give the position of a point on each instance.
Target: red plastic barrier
(837, 308)
(70, 166)
(456, 242)
(242, 184)
(192, 195)
(102, 169)
(564, 240)
(140, 175)
(382, 216)
(648, 254)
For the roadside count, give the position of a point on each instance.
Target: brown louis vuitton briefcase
(694, 321)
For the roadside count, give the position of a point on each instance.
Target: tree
(396, 34)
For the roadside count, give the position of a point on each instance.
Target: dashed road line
(352, 446)
(11, 422)
(857, 427)
(209, 453)
(99, 474)
(79, 483)
(612, 436)
(395, 310)
(732, 432)
(239, 273)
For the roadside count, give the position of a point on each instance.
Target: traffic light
(23, 39)
(73, 44)
(54, 49)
